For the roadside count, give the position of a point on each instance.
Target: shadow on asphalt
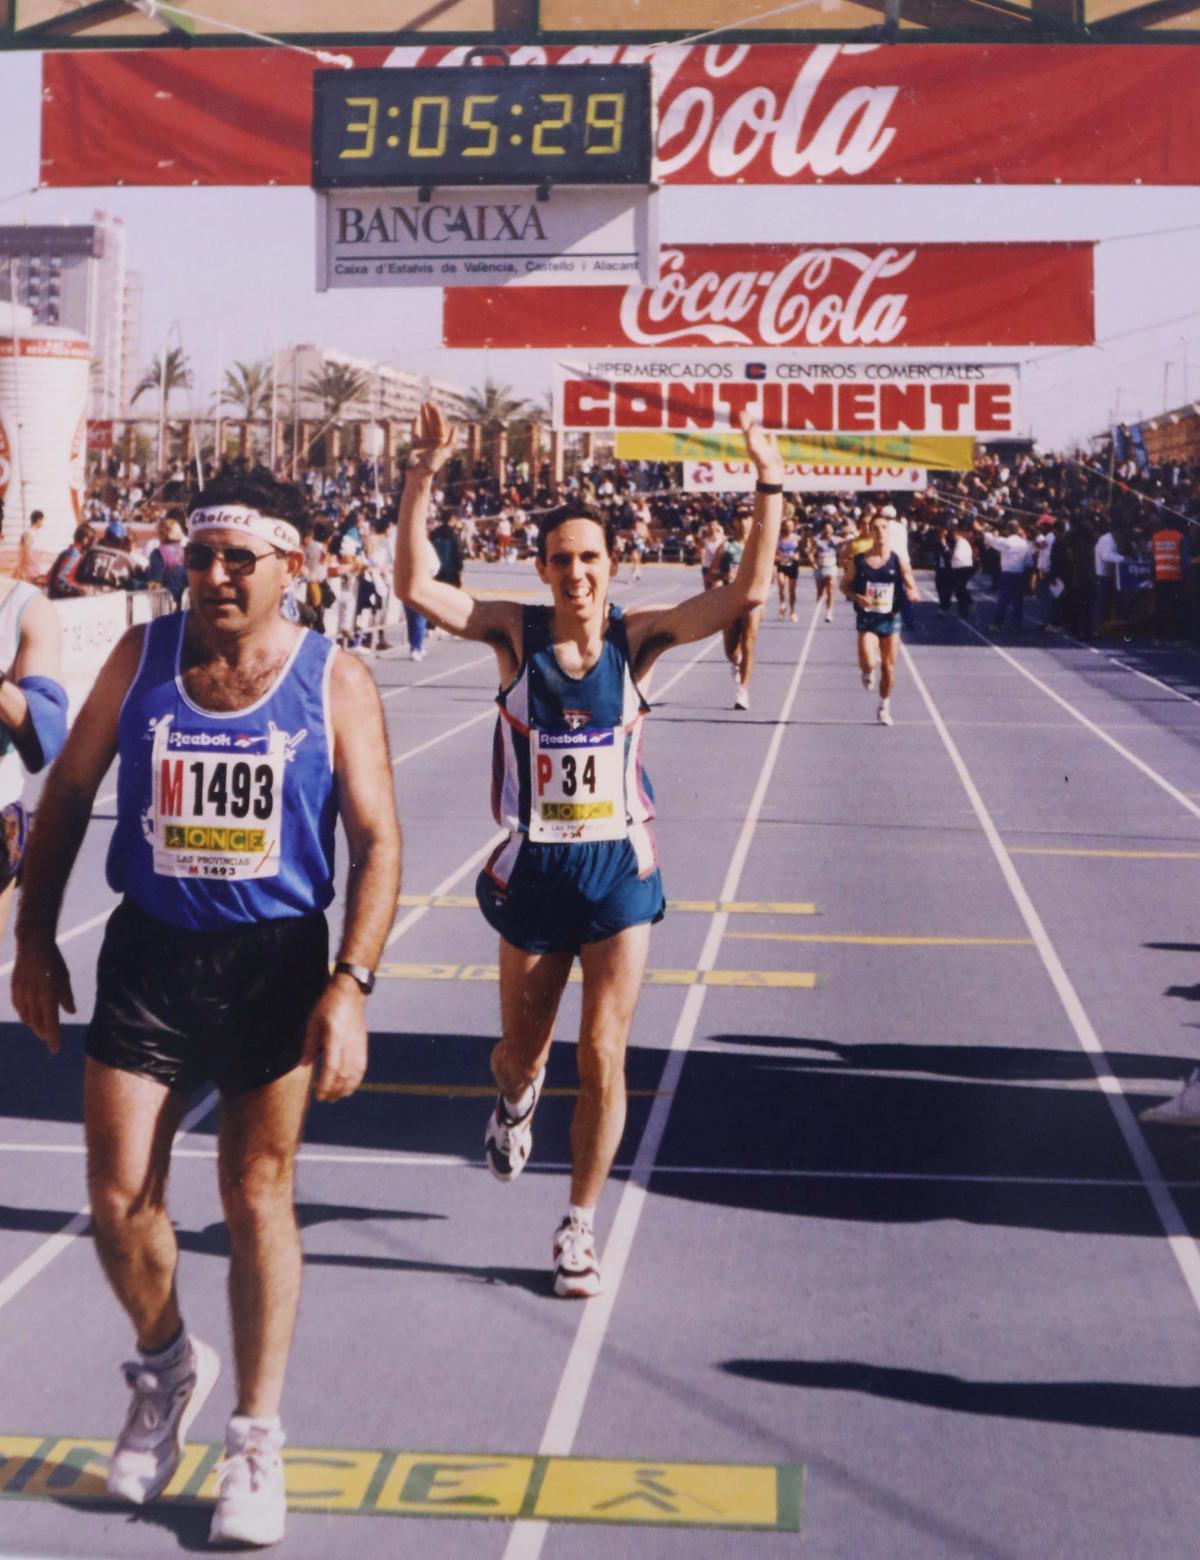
(876, 1132)
(1104, 1405)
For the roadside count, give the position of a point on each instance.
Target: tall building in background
(74, 275)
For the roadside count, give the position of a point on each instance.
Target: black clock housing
(481, 125)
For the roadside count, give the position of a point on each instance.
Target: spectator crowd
(1103, 548)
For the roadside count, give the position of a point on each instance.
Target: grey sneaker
(165, 1402)
(1183, 1110)
(508, 1139)
(251, 1497)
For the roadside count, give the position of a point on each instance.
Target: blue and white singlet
(567, 755)
(225, 817)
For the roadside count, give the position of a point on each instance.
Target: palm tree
(493, 408)
(166, 375)
(336, 387)
(248, 387)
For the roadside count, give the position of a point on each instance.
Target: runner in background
(823, 555)
(787, 567)
(873, 584)
(577, 876)
(741, 636)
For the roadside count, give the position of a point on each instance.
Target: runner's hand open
(761, 447)
(432, 439)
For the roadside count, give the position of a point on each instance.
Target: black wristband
(768, 487)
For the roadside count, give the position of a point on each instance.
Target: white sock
(883, 703)
(519, 1104)
(242, 1426)
(583, 1216)
(172, 1355)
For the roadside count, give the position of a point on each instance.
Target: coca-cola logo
(820, 296)
(715, 109)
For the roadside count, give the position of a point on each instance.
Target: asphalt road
(891, 1270)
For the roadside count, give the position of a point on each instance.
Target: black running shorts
(187, 1007)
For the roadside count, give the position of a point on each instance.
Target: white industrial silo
(43, 425)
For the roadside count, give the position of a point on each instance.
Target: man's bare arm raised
(655, 629)
(496, 623)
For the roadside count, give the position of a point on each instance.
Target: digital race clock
(473, 124)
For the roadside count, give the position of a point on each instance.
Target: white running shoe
(508, 1139)
(829, 617)
(884, 716)
(251, 1499)
(1183, 1110)
(795, 619)
(576, 1270)
(165, 1402)
(741, 699)
(868, 679)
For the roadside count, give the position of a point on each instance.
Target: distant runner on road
(873, 583)
(578, 875)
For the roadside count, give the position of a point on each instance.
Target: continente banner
(703, 397)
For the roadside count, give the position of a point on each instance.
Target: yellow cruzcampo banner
(931, 452)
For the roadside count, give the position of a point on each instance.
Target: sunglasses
(236, 561)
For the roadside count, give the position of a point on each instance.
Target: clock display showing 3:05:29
(570, 124)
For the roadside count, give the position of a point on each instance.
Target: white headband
(239, 517)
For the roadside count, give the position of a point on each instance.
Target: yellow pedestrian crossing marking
(440, 1484)
(1120, 855)
(479, 1091)
(702, 906)
(872, 941)
(793, 980)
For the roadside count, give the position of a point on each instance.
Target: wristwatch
(359, 973)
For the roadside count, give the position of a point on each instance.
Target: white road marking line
(25, 1272)
(444, 737)
(739, 1172)
(1183, 1247)
(76, 931)
(1150, 678)
(527, 1537)
(1151, 774)
(449, 671)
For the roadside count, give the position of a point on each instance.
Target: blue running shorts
(559, 897)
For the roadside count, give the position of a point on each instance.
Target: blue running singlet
(224, 817)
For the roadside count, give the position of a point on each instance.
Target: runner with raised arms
(578, 874)
(873, 583)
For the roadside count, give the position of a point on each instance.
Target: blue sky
(234, 268)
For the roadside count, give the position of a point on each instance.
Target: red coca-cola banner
(821, 295)
(761, 114)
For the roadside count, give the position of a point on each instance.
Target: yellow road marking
(797, 980)
(885, 942)
(479, 1091)
(1121, 855)
(441, 1484)
(704, 906)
